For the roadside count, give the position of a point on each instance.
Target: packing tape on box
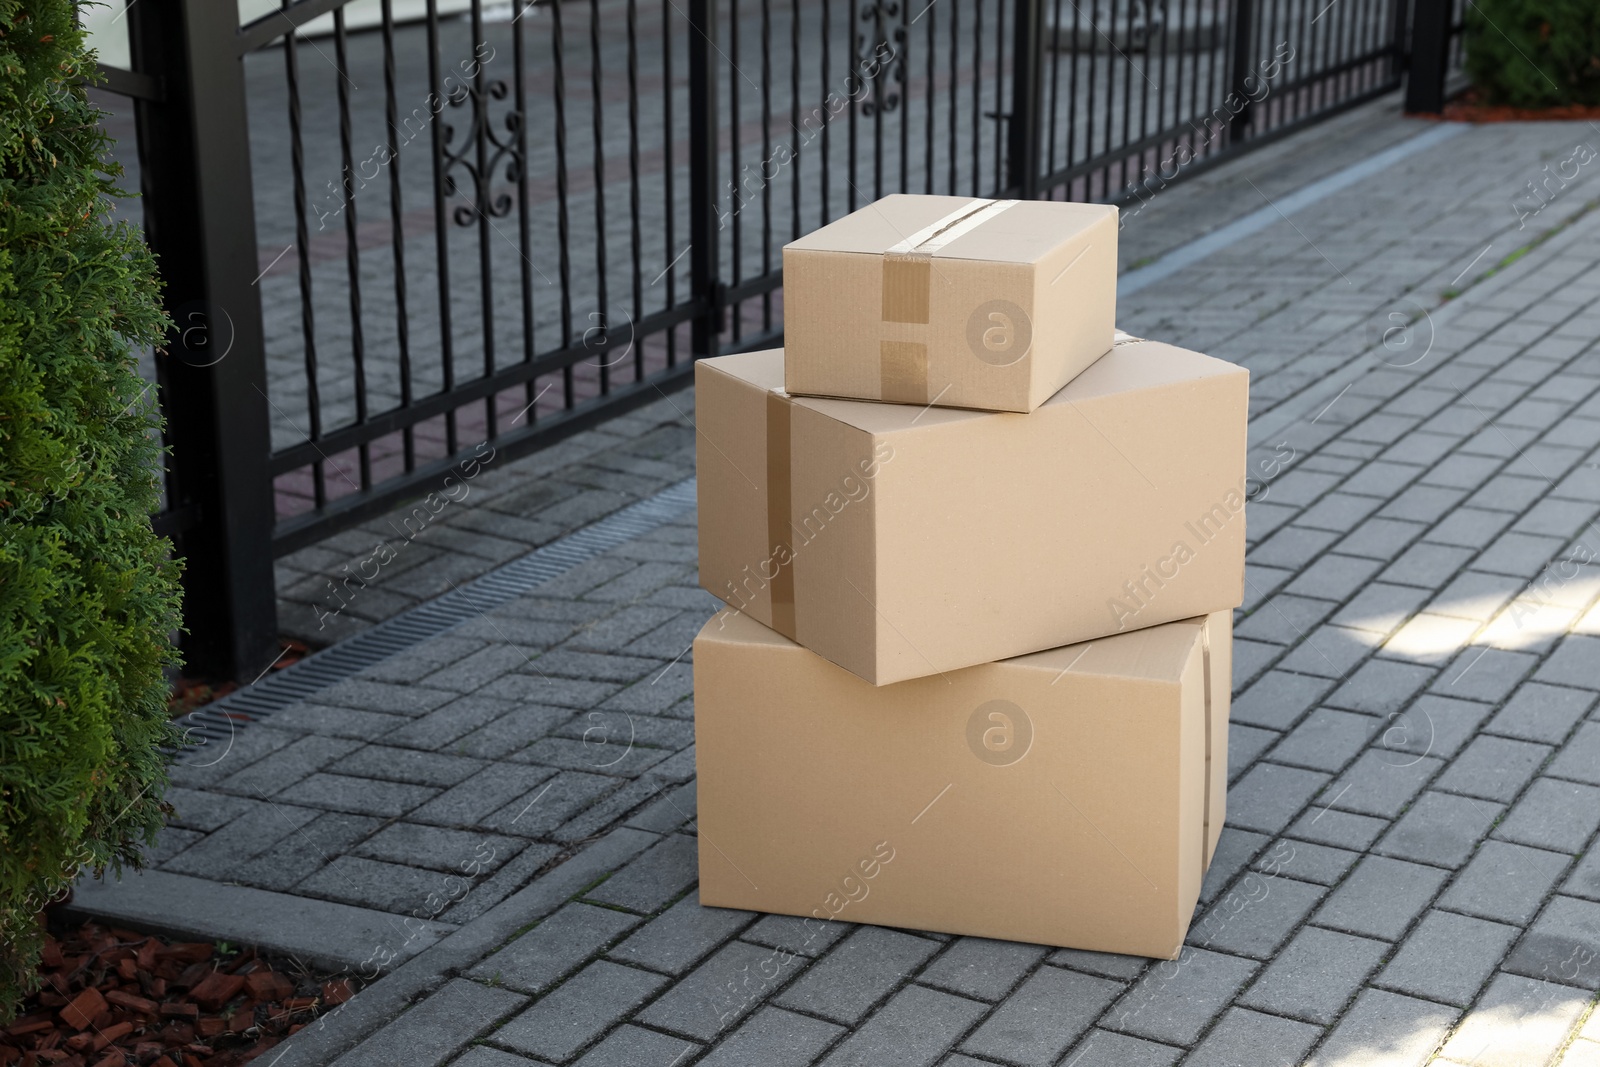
(779, 528)
(1205, 810)
(908, 291)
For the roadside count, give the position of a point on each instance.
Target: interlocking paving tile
(1585, 879)
(1042, 1017)
(1553, 814)
(1250, 1037)
(556, 946)
(1562, 945)
(1517, 1022)
(632, 1046)
(1381, 782)
(858, 973)
(1580, 759)
(1307, 862)
(1381, 897)
(1326, 739)
(1175, 1000)
(1235, 849)
(1102, 1048)
(1316, 975)
(1394, 1030)
(433, 1031)
(1256, 916)
(1505, 882)
(773, 1037)
(727, 986)
(1495, 768)
(913, 1029)
(1440, 829)
(578, 1011)
(1448, 957)
(982, 969)
(681, 936)
(1268, 797)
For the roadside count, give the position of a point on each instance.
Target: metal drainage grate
(218, 720)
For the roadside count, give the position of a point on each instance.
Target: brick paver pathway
(1408, 873)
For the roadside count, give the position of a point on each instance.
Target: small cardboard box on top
(1071, 797)
(950, 300)
(901, 542)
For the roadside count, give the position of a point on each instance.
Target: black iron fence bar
(308, 529)
(1022, 134)
(263, 31)
(352, 247)
(391, 114)
(705, 281)
(432, 406)
(1432, 23)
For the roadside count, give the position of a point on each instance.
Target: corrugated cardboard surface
(926, 540)
(1083, 816)
(997, 313)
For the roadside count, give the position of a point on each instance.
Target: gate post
(1022, 131)
(1430, 55)
(704, 222)
(194, 161)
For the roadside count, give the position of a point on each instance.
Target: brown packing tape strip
(903, 372)
(780, 530)
(907, 293)
(1205, 677)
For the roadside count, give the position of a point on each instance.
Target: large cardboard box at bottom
(1071, 797)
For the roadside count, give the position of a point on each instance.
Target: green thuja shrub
(1534, 53)
(87, 595)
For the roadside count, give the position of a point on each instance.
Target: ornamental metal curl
(482, 139)
(883, 50)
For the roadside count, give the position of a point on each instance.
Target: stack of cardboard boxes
(980, 553)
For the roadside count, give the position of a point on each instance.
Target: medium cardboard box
(900, 542)
(1072, 797)
(951, 300)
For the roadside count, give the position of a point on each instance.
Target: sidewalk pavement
(501, 817)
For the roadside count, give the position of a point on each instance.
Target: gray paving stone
(1175, 999)
(1035, 1024)
(1282, 618)
(981, 969)
(1326, 739)
(484, 1056)
(1579, 759)
(1448, 958)
(1381, 897)
(1316, 975)
(1388, 1028)
(257, 830)
(1380, 783)
(469, 803)
(439, 729)
(558, 945)
(1307, 861)
(653, 878)
(1381, 538)
(1106, 964)
(512, 876)
(804, 936)
(858, 973)
(681, 936)
(407, 765)
(726, 987)
(773, 1037)
(1505, 882)
(1427, 565)
(1380, 687)
(440, 849)
(1575, 662)
(631, 1046)
(913, 1029)
(1475, 595)
(381, 696)
(1332, 576)
(1245, 744)
(1268, 797)
(1256, 916)
(1585, 879)
(1432, 726)
(360, 796)
(1380, 607)
(1562, 945)
(1235, 849)
(552, 803)
(1102, 1048)
(1517, 1022)
(288, 765)
(578, 1011)
(1440, 829)
(1278, 698)
(1486, 674)
(1328, 652)
(385, 886)
(435, 1030)
(1247, 1038)
(1553, 814)
(1496, 768)
(1340, 829)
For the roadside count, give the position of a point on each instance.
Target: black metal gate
(399, 250)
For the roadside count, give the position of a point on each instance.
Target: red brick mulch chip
(114, 998)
